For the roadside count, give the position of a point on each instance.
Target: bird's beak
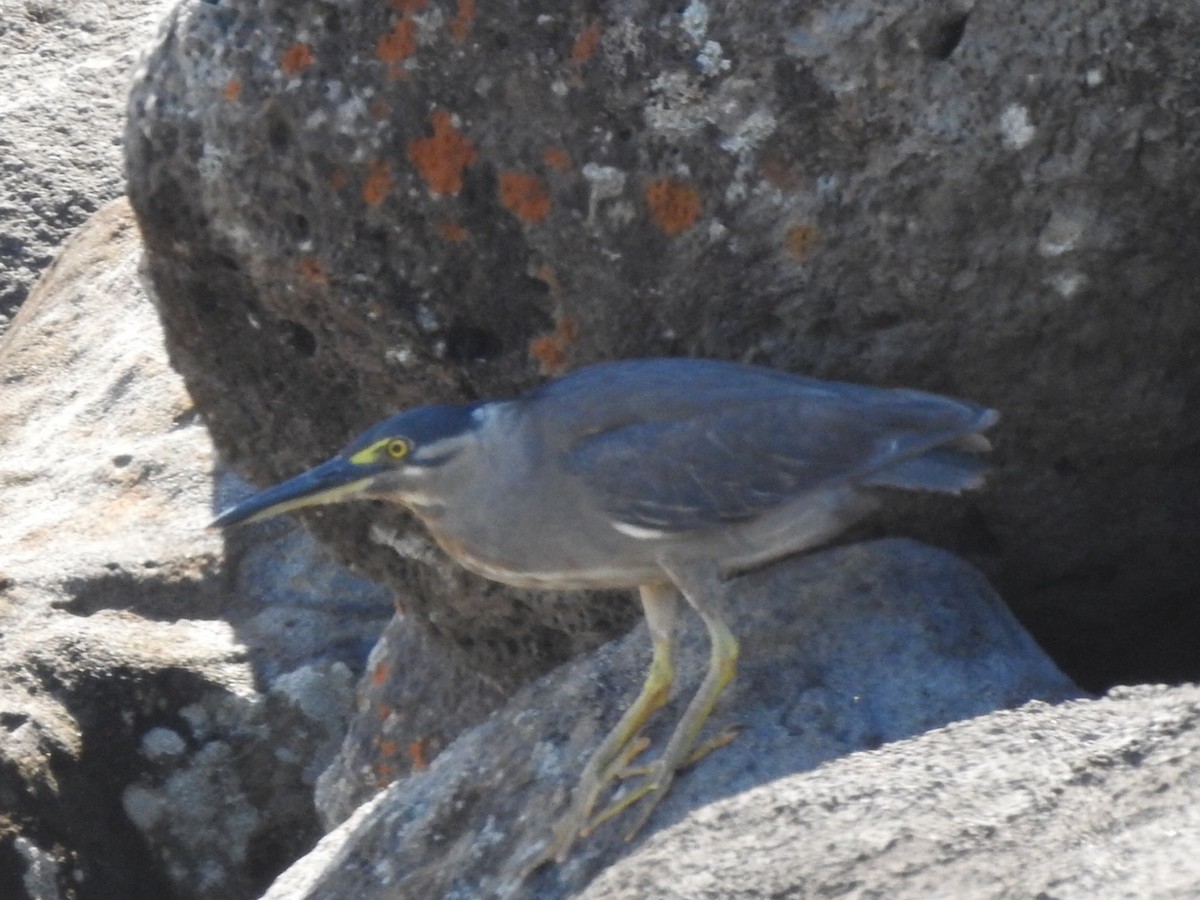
(331, 482)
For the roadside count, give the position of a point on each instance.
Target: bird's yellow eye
(397, 448)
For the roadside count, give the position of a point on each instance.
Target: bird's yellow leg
(680, 750)
(620, 746)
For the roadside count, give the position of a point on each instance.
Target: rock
(77, 694)
(226, 800)
(343, 221)
(1094, 798)
(843, 650)
(66, 70)
(165, 709)
(355, 209)
(418, 695)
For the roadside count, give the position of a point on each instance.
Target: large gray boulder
(360, 207)
(1085, 799)
(1092, 799)
(843, 650)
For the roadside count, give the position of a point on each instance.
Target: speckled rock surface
(418, 695)
(356, 207)
(1095, 798)
(841, 651)
(167, 698)
(65, 65)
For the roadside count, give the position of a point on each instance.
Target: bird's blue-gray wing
(735, 462)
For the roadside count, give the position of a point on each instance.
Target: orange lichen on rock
(297, 58)
(550, 350)
(545, 273)
(674, 206)
(801, 240)
(586, 44)
(453, 231)
(442, 157)
(407, 6)
(556, 158)
(398, 44)
(525, 196)
(379, 182)
(380, 674)
(338, 179)
(386, 747)
(384, 773)
(418, 753)
(311, 270)
(460, 25)
(233, 90)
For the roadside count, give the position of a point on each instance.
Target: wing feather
(740, 456)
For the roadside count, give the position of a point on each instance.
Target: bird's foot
(657, 777)
(578, 821)
(716, 742)
(611, 761)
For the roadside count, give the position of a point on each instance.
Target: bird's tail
(942, 469)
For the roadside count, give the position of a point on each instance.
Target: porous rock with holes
(352, 208)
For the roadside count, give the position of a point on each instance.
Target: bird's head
(397, 460)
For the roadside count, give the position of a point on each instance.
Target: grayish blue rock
(843, 650)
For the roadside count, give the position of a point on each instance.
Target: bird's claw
(579, 822)
(722, 738)
(657, 778)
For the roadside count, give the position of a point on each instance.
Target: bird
(666, 475)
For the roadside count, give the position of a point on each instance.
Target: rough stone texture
(418, 695)
(65, 65)
(1077, 801)
(911, 151)
(842, 650)
(76, 694)
(223, 797)
(355, 207)
(165, 708)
